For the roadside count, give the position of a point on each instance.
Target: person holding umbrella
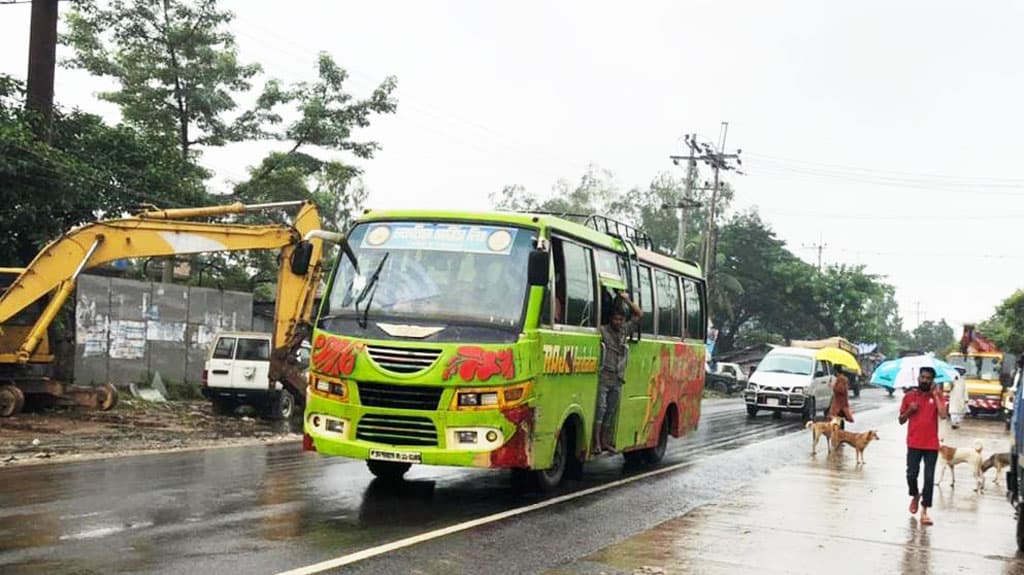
(921, 409)
(841, 398)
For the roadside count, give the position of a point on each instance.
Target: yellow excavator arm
(166, 233)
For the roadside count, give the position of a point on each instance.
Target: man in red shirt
(922, 407)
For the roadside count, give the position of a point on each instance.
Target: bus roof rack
(607, 225)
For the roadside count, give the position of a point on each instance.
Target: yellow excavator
(32, 296)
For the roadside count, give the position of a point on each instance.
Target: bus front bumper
(483, 438)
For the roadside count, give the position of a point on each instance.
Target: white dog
(953, 456)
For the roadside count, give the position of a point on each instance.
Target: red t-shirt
(923, 426)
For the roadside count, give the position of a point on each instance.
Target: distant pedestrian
(958, 400)
(922, 407)
(841, 397)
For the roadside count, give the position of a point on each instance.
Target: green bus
(471, 339)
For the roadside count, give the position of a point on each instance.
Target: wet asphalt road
(266, 509)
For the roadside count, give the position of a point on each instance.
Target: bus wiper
(370, 285)
(364, 319)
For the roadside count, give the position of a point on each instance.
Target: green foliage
(174, 61)
(930, 336)
(87, 169)
(759, 290)
(1006, 326)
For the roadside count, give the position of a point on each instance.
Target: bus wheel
(548, 479)
(388, 470)
(654, 455)
(751, 410)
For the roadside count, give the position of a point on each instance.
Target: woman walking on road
(841, 397)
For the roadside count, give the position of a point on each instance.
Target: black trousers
(914, 457)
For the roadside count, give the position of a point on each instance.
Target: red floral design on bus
(678, 381)
(516, 451)
(476, 363)
(335, 356)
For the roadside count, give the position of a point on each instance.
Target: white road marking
(467, 525)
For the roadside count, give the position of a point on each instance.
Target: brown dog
(819, 428)
(859, 441)
(999, 461)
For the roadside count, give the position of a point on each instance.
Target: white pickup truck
(237, 372)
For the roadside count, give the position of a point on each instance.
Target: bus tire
(550, 478)
(654, 455)
(388, 470)
(751, 410)
(576, 451)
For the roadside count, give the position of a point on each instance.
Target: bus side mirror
(538, 271)
(301, 256)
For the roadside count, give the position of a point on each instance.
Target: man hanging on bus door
(614, 357)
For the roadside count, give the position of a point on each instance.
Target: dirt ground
(134, 426)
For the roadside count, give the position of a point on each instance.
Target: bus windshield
(984, 368)
(778, 363)
(434, 272)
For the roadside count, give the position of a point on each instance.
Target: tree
(931, 336)
(325, 117)
(1006, 326)
(88, 170)
(174, 61)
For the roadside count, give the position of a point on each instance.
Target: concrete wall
(126, 331)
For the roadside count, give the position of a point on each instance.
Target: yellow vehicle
(985, 374)
(32, 296)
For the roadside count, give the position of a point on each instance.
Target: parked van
(790, 379)
(238, 371)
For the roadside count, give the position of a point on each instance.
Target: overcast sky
(889, 130)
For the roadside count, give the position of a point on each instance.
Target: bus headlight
(477, 399)
(474, 438)
(337, 390)
(326, 425)
(487, 398)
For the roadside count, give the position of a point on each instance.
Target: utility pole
(820, 247)
(686, 202)
(718, 160)
(42, 62)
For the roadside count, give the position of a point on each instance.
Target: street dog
(859, 441)
(998, 460)
(952, 456)
(819, 428)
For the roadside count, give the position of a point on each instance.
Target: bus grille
(402, 360)
(397, 430)
(399, 396)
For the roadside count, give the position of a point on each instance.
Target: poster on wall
(127, 339)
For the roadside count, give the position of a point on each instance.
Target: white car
(237, 372)
(731, 369)
(790, 379)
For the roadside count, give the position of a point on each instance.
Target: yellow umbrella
(839, 357)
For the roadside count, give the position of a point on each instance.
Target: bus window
(646, 300)
(579, 282)
(694, 310)
(670, 320)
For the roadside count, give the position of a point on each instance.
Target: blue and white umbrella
(903, 372)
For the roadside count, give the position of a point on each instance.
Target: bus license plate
(772, 402)
(397, 456)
